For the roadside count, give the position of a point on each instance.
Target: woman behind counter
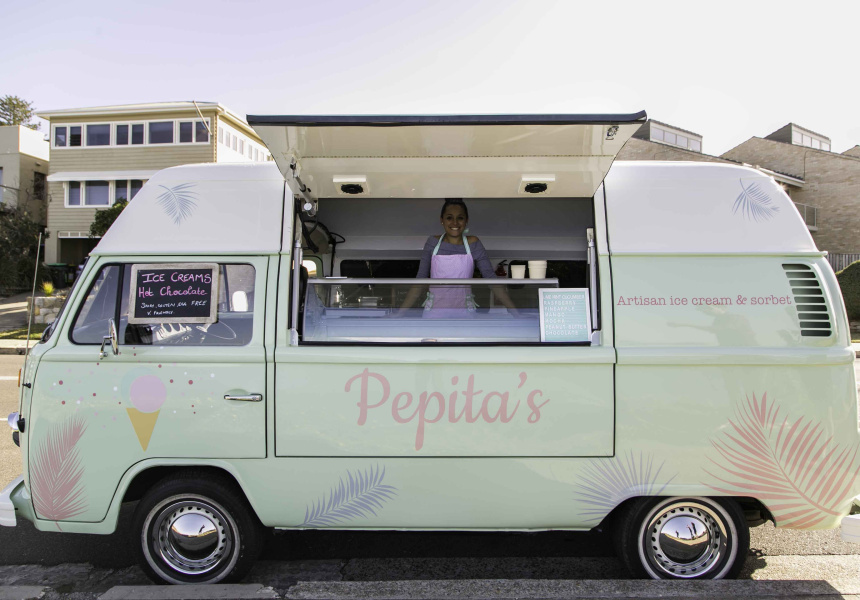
(452, 255)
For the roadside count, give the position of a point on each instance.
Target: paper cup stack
(518, 271)
(537, 269)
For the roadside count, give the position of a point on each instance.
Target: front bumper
(7, 509)
(851, 524)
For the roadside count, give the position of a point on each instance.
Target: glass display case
(422, 310)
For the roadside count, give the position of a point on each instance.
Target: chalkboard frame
(212, 317)
(588, 324)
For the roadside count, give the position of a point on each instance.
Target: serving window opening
(540, 287)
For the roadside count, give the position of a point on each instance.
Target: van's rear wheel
(194, 530)
(682, 538)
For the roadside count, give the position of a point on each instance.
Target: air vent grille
(809, 301)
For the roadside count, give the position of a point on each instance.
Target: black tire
(196, 502)
(711, 538)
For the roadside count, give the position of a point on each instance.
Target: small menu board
(565, 315)
(174, 293)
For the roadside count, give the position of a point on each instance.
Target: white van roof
(438, 156)
(202, 209)
(700, 208)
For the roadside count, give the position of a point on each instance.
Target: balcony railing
(809, 214)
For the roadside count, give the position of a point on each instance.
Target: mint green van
(249, 347)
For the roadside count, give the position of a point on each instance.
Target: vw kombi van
(244, 350)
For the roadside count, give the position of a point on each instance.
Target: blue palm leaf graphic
(178, 202)
(604, 484)
(754, 203)
(360, 495)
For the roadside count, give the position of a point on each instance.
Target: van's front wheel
(682, 538)
(196, 531)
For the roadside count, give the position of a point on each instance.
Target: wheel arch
(143, 475)
(755, 510)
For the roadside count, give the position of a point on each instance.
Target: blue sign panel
(565, 315)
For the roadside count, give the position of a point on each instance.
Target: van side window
(234, 327)
(91, 323)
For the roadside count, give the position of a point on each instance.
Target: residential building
(23, 170)
(104, 154)
(830, 193)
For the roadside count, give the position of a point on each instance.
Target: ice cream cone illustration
(147, 394)
(144, 425)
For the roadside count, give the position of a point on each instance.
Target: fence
(840, 261)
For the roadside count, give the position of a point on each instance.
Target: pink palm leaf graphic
(793, 466)
(56, 472)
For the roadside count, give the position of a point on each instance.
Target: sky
(726, 70)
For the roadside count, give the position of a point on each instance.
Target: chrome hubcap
(684, 539)
(192, 536)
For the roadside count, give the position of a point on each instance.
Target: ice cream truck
(250, 347)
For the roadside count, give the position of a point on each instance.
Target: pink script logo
(432, 407)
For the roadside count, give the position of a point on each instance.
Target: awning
(477, 156)
(100, 175)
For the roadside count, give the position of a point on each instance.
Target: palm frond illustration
(177, 201)
(359, 495)
(792, 465)
(755, 203)
(56, 472)
(606, 483)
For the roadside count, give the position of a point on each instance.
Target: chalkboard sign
(174, 293)
(565, 315)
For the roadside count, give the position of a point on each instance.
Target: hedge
(849, 281)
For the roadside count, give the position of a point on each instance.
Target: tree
(17, 111)
(19, 238)
(105, 218)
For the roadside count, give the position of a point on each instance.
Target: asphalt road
(371, 556)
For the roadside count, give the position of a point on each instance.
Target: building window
(101, 193)
(74, 193)
(60, 138)
(186, 132)
(675, 139)
(201, 132)
(126, 189)
(193, 131)
(161, 132)
(98, 135)
(97, 193)
(134, 187)
(122, 135)
(75, 135)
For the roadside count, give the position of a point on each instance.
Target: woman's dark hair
(454, 202)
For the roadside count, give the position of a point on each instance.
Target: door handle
(245, 398)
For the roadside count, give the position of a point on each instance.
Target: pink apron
(450, 301)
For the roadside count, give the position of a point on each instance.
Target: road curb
(22, 592)
(15, 346)
(236, 591)
(474, 589)
(557, 589)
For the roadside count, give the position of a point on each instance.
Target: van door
(175, 390)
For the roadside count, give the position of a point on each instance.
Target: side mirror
(112, 338)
